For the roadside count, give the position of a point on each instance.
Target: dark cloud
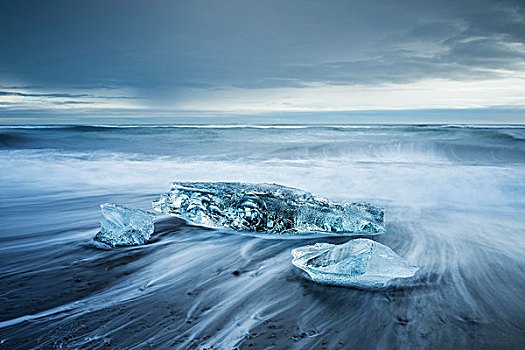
(162, 48)
(72, 102)
(22, 94)
(63, 95)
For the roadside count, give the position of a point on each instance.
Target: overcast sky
(169, 61)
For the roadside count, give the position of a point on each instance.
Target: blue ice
(124, 226)
(267, 208)
(360, 263)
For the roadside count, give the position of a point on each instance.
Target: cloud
(62, 95)
(22, 94)
(168, 55)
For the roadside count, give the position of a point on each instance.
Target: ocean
(454, 200)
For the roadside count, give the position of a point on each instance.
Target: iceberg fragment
(360, 263)
(267, 208)
(124, 226)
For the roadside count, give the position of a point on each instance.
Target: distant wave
(481, 126)
(263, 126)
(36, 126)
(211, 126)
(337, 143)
(101, 127)
(8, 140)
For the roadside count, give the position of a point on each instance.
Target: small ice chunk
(267, 208)
(360, 263)
(124, 226)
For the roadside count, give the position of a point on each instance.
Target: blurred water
(454, 199)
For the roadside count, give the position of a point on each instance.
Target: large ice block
(267, 208)
(360, 263)
(124, 226)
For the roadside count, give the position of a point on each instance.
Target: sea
(454, 201)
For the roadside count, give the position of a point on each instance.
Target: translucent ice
(124, 226)
(267, 208)
(360, 263)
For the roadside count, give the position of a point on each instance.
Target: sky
(238, 61)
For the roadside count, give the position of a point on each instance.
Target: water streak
(454, 198)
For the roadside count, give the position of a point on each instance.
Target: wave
(379, 181)
(35, 126)
(184, 126)
(484, 126)
(267, 126)
(210, 126)
(426, 146)
(12, 140)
